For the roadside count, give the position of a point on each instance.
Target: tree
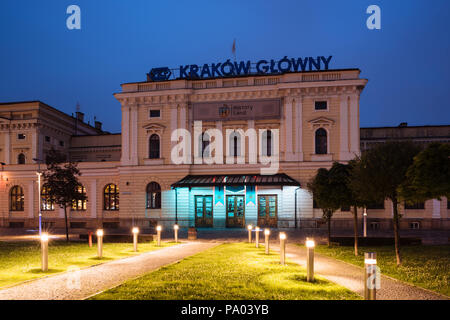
(381, 171)
(61, 178)
(321, 188)
(429, 175)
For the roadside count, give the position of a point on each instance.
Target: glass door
(267, 211)
(203, 211)
(235, 211)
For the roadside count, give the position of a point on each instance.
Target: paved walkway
(352, 277)
(87, 282)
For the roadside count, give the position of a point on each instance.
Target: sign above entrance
(241, 68)
(237, 110)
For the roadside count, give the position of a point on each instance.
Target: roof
(280, 179)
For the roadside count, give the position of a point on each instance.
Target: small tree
(321, 188)
(381, 171)
(429, 175)
(63, 185)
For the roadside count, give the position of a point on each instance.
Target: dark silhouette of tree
(61, 178)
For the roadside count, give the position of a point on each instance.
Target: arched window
(80, 205)
(154, 146)
(21, 158)
(321, 141)
(235, 144)
(111, 197)
(267, 143)
(16, 199)
(204, 145)
(47, 202)
(153, 196)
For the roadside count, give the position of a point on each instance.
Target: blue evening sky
(407, 62)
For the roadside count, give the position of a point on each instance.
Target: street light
(310, 244)
(44, 251)
(100, 243)
(249, 228)
(158, 231)
(370, 276)
(257, 237)
(267, 234)
(175, 229)
(135, 231)
(39, 173)
(282, 248)
(365, 222)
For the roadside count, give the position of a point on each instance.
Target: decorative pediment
(154, 128)
(321, 122)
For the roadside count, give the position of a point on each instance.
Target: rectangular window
(155, 113)
(61, 143)
(415, 206)
(414, 225)
(376, 205)
(320, 105)
(21, 136)
(374, 226)
(47, 139)
(345, 209)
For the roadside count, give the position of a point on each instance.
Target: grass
(231, 271)
(20, 261)
(424, 266)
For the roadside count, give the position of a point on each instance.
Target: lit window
(16, 199)
(111, 197)
(47, 202)
(80, 205)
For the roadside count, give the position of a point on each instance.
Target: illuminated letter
(374, 21)
(74, 20)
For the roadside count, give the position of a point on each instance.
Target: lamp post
(175, 229)
(39, 173)
(370, 276)
(257, 229)
(100, 243)
(310, 244)
(266, 236)
(44, 251)
(282, 248)
(365, 222)
(135, 231)
(158, 237)
(249, 228)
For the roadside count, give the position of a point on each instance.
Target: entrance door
(235, 211)
(267, 211)
(203, 211)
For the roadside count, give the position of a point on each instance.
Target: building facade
(221, 152)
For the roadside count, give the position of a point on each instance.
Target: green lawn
(20, 261)
(229, 271)
(423, 266)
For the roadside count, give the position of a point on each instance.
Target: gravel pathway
(80, 284)
(352, 277)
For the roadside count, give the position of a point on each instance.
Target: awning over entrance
(280, 179)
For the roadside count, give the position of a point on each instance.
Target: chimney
(80, 116)
(403, 124)
(98, 125)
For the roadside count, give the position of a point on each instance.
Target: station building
(131, 178)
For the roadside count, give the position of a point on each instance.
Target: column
(173, 123)
(299, 128)
(354, 126)
(436, 214)
(344, 152)
(30, 200)
(134, 135)
(93, 198)
(288, 129)
(34, 137)
(7, 147)
(125, 135)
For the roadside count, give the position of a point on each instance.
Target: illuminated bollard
(249, 228)
(266, 235)
(158, 235)
(370, 276)
(135, 231)
(365, 223)
(310, 244)
(44, 251)
(90, 239)
(100, 243)
(282, 248)
(175, 229)
(257, 237)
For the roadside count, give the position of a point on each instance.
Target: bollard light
(266, 235)
(90, 239)
(282, 248)
(310, 244)
(249, 228)
(135, 231)
(100, 243)
(175, 229)
(44, 251)
(257, 229)
(370, 276)
(158, 234)
(365, 223)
